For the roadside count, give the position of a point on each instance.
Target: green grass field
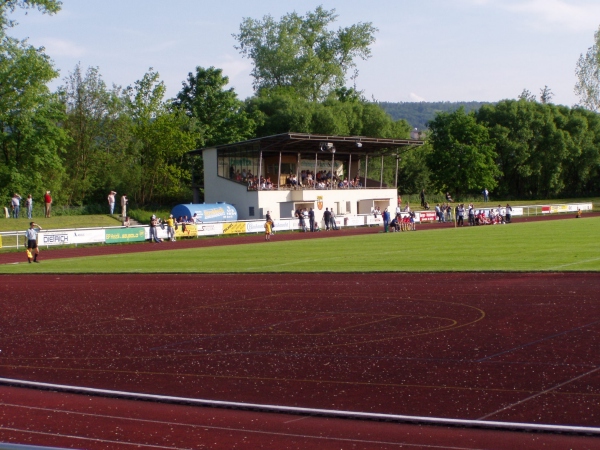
(558, 245)
(60, 222)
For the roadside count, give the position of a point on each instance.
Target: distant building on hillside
(287, 172)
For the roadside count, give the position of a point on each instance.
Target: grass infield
(560, 245)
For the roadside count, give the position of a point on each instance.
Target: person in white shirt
(31, 235)
(111, 202)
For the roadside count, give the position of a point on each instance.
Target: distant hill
(417, 114)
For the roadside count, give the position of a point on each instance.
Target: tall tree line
(87, 138)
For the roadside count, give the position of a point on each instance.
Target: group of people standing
(111, 204)
(307, 222)
(15, 205)
(494, 215)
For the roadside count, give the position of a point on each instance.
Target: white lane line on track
(242, 430)
(107, 441)
(540, 393)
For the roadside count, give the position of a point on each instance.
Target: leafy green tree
(100, 131)
(530, 144)
(302, 52)
(462, 156)
(218, 112)
(9, 6)
(281, 110)
(31, 139)
(588, 76)
(413, 172)
(581, 171)
(162, 138)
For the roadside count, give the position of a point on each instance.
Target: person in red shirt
(47, 203)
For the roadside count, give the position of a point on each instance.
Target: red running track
(95, 423)
(501, 347)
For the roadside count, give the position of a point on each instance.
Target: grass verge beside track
(564, 245)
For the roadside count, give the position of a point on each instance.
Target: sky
(425, 50)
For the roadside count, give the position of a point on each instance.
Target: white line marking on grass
(574, 263)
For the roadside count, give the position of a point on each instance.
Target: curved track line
(305, 411)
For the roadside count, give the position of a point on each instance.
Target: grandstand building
(266, 174)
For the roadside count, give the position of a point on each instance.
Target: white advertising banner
(582, 206)
(354, 221)
(371, 220)
(92, 236)
(255, 227)
(209, 229)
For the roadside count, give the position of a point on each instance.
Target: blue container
(206, 212)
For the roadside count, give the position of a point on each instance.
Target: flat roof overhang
(312, 143)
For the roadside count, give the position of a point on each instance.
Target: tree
(218, 112)
(162, 138)
(302, 52)
(9, 6)
(462, 156)
(546, 95)
(100, 132)
(588, 76)
(281, 110)
(527, 96)
(31, 138)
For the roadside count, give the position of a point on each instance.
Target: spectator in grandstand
(126, 222)
(423, 197)
(449, 197)
(486, 194)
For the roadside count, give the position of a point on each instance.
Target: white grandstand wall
(282, 203)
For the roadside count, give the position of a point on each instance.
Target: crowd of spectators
(307, 179)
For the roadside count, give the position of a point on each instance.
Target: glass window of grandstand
(239, 164)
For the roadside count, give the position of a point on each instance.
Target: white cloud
(571, 15)
(162, 46)
(416, 98)
(234, 66)
(574, 15)
(62, 47)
